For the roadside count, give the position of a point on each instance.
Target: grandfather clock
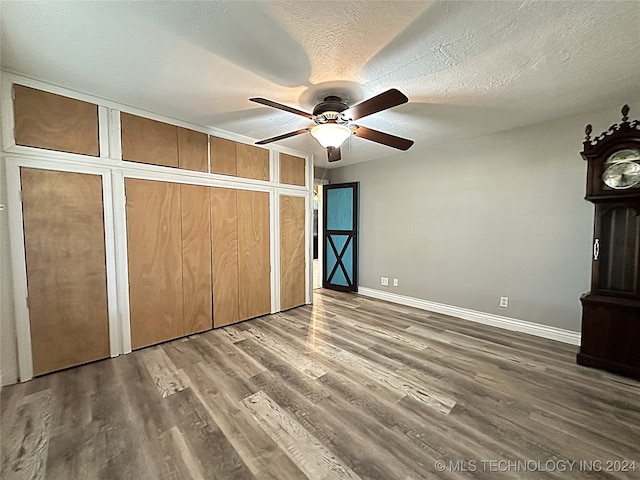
(611, 310)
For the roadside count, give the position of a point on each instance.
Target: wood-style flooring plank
(244, 365)
(25, 442)
(431, 398)
(261, 455)
(313, 459)
(145, 406)
(289, 354)
(213, 453)
(182, 352)
(167, 379)
(282, 373)
(80, 453)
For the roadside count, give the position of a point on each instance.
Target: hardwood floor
(349, 388)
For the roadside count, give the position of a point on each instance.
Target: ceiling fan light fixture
(333, 119)
(331, 134)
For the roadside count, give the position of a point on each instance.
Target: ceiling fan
(333, 119)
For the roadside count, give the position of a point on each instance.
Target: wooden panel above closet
(239, 159)
(223, 156)
(292, 170)
(148, 141)
(157, 143)
(253, 162)
(53, 122)
(192, 150)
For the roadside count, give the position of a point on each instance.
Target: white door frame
(321, 182)
(18, 259)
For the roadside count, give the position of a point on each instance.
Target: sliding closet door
(154, 250)
(196, 258)
(66, 273)
(254, 266)
(292, 252)
(224, 248)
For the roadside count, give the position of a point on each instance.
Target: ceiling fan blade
(333, 154)
(383, 138)
(283, 136)
(271, 103)
(383, 101)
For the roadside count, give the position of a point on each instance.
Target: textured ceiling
(468, 68)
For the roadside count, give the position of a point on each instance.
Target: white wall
(320, 173)
(8, 348)
(465, 223)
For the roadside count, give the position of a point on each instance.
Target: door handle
(596, 249)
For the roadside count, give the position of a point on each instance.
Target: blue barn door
(340, 238)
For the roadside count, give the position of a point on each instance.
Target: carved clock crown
(616, 132)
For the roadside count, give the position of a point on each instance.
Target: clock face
(621, 175)
(622, 169)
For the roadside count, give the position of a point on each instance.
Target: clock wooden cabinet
(611, 310)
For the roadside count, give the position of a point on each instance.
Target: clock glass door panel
(619, 248)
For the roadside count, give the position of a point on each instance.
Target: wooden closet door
(66, 273)
(292, 252)
(154, 247)
(254, 265)
(196, 258)
(224, 248)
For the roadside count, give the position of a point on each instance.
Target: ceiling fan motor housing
(329, 111)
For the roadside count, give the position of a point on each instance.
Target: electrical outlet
(384, 281)
(395, 282)
(504, 302)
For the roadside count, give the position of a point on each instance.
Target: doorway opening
(317, 231)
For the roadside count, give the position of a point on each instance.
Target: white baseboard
(545, 331)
